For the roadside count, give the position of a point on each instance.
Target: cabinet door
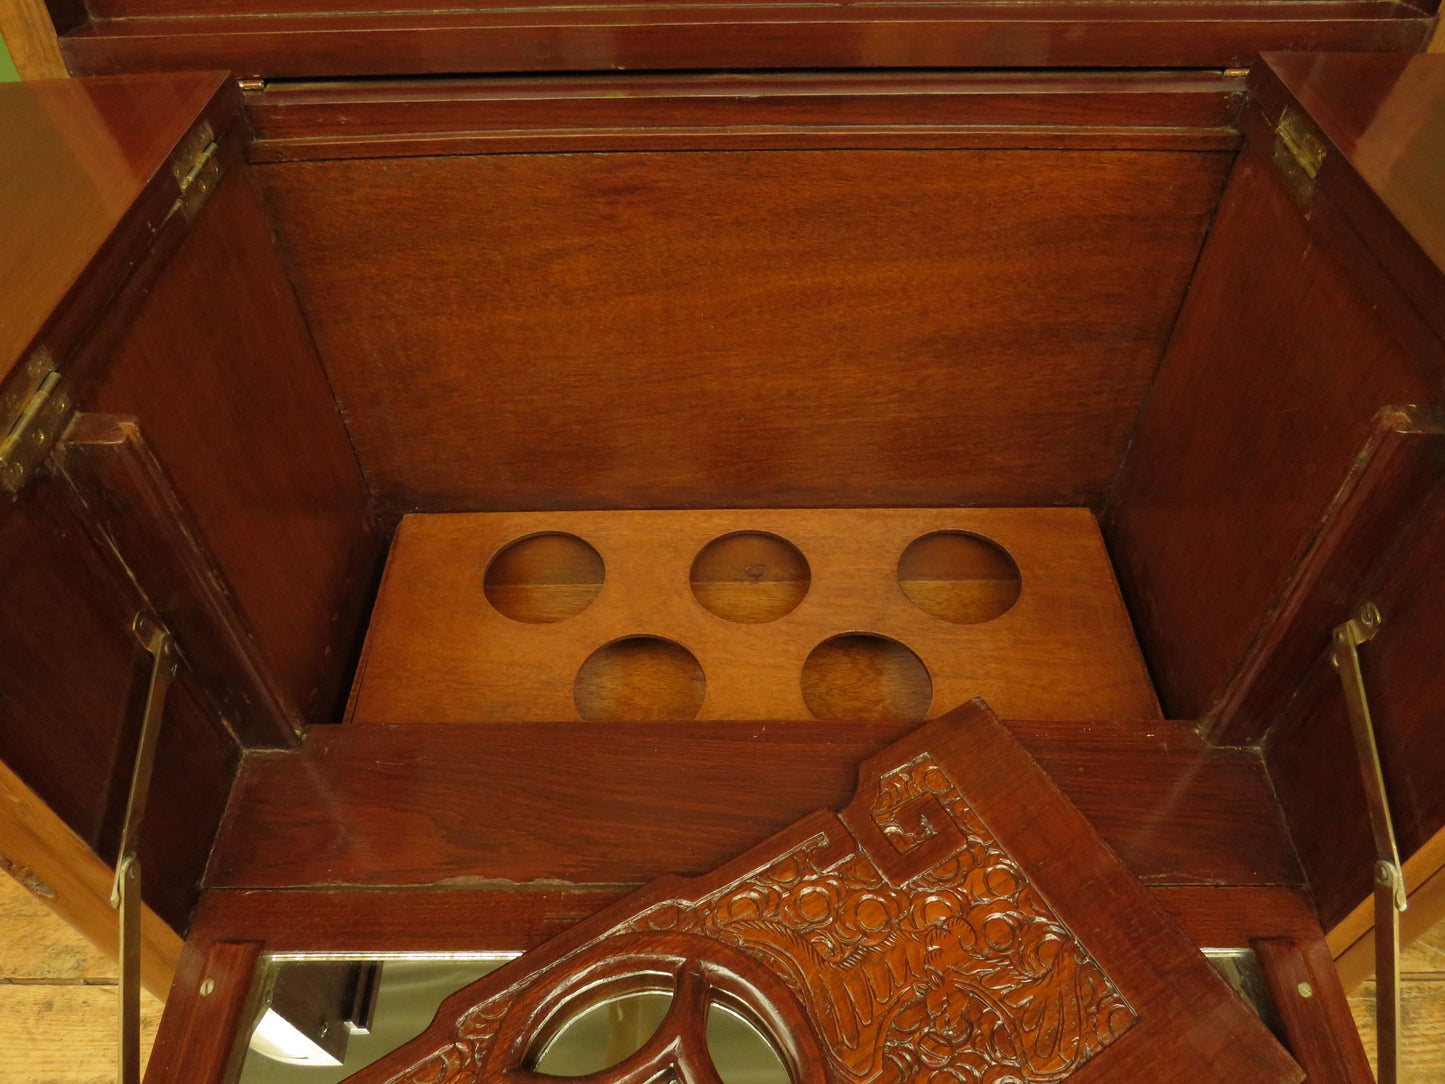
(959, 920)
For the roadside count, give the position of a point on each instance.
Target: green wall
(7, 69)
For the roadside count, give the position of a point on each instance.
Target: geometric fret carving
(958, 923)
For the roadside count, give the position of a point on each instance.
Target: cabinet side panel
(220, 370)
(734, 329)
(1267, 392)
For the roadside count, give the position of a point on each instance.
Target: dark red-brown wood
(807, 111)
(624, 803)
(127, 500)
(196, 1043)
(83, 190)
(1263, 400)
(749, 329)
(1393, 478)
(956, 860)
(268, 39)
(1307, 995)
(219, 369)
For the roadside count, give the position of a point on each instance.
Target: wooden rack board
(1032, 618)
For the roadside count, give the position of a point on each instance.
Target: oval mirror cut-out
(601, 1036)
(862, 675)
(644, 678)
(741, 1053)
(960, 577)
(544, 578)
(750, 577)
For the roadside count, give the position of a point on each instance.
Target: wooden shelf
(1022, 610)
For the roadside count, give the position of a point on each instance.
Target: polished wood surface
(412, 38)
(620, 804)
(438, 652)
(364, 922)
(1263, 400)
(1313, 1011)
(1383, 498)
(76, 162)
(860, 940)
(196, 1043)
(131, 505)
(386, 118)
(74, 676)
(752, 329)
(1389, 126)
(219, 370)
(1310, 751)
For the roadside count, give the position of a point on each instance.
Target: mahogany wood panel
(76, 168)
(959, 914)
(742, 329)
(196, 1042)
(367, 922)
(1318, 1029)
(652, 37)
(385, 118)
(1269, 388)
(72, 683)
(130, 504)
(1310, 752)
(1402, 462)
(438, 651)
(620, 804)
(219, 369)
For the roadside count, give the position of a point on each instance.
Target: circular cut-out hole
(544, 578)
(750, 577)
(959, 577)
(861, 675)
(639, 678)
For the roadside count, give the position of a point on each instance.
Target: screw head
(1305, 990)
(208, 988)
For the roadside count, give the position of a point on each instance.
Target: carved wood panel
(958, 922)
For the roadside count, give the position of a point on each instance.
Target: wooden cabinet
(1172, 339)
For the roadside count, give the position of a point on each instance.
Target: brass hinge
(251, 86)
(1388, 878)
(1299, 138)
(196, 170)
(32, 416)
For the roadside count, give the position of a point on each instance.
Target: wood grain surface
(742, 329)
(738, 111)
(620, 804)
(650, 37)
(956, 861)
(57, 998)
(438, 652)
(1264, 399)
(219, 369)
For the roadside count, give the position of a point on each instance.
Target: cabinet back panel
(716, 329)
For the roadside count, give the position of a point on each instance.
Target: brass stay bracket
(125, 893)
(1389, 878)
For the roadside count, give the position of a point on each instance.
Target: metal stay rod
(125, 893)
(1389, 878)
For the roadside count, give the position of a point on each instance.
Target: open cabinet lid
(960, 919)
(303, 39)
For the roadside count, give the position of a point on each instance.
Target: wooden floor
(57, 999)
(57, 1002)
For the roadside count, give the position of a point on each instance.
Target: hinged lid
(308, 39)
